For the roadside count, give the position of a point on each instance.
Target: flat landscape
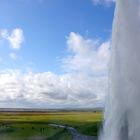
(54, 125)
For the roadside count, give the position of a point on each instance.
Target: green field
(25, 125)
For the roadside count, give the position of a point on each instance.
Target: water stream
(74, 133)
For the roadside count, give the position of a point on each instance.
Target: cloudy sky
(54, 53)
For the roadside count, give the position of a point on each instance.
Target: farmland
(27, 125)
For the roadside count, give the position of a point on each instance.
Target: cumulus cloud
(87, 55)
(15, 37)
(48, 88)
(84, 84)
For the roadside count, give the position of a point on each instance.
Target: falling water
(122, 114)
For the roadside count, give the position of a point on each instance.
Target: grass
(62, 135)
(28, 124)
(24, 131)
(89, 128)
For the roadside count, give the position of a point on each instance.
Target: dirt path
(74, 133)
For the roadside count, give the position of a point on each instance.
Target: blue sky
(58, 39)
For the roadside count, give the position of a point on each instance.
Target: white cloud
(50, 89)
(87, 55)
(84, 84)
(105, 2)
(15, 37)
(3, 33)
(13, 56)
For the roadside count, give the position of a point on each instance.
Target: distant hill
(48, 110)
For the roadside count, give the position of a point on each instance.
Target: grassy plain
(29, 124)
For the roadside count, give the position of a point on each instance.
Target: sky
(54, 53)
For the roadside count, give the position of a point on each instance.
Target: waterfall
(122, 112)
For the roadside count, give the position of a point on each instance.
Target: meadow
(28, 125)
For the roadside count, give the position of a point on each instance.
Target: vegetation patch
(15, 126)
